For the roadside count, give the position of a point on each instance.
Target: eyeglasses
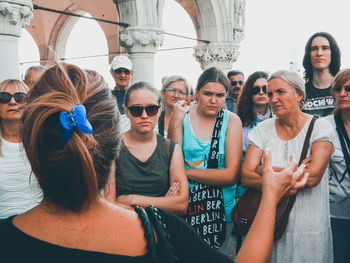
(181, 92)
(338, 89)
(122, 70)
(256, 89)
(235, 82)
(5, 97)
(137, 111)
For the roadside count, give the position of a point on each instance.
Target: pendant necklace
(285, 150)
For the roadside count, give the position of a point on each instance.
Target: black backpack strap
(149, 235)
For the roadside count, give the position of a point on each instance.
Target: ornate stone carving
(15, 15)
(216, 54)
(239, 15)
(136, 39)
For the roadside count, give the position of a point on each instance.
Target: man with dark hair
(33, 75)
(121, 70)
(321, 63)
(236, 78)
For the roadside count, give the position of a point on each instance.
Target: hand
(285, 182)
(125, 199)
(173, 190)
(180, 109)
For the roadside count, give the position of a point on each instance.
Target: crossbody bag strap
(345, 144)
(161, 123)
(307, 139)
(149, 235)
(213, 157)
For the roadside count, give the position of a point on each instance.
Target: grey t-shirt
(150, 178)
(339, 180)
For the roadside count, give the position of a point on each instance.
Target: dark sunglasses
(338, 89)
(256, 89)
(5, 97)
(137, 111)
(235, 82)
(122, 70)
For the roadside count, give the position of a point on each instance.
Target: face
(174, 92)
(342, 96)
(282, 97)
(10, 110)
(211, 98)
(122, 77)
(235, 89)
(143, 98)
(261, 97)
(320, 53)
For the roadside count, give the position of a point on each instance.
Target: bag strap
(164, 238)
(214, 146)
(149, 235)
(345, 144)
(307, 139)
(161, 123)
(167, 150)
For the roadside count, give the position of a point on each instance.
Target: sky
(276, 32)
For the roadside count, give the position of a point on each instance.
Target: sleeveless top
(196, 156)
(150, 178)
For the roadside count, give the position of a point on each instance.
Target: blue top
(196, 157)
(230, 104)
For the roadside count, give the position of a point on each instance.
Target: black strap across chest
(344, 139)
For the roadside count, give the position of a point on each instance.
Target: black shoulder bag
(206, 210)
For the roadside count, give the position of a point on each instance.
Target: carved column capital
(15, 15)
(222, 55)
(141, 39)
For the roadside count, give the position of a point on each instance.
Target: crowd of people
(136, 175)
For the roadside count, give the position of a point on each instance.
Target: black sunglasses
(122, 70)
(137, 111)
(256, 89)
(338, 89)
(19, 97)
(235, 82)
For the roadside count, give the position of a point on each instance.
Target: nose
(342, 92)
(12, 100)
(213, 99)
(144, 114)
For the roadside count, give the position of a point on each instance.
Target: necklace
(285, 150)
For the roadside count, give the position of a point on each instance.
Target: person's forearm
(251, 180)
(213, 176)
(175, 204)
(175, 131)
(257, 246)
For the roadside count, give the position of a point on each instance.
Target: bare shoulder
(234, 122)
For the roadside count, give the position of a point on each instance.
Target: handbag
(152, 220)
(247, 206)
(206, 210)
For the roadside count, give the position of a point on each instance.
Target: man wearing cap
(236, 78)
(121, 70)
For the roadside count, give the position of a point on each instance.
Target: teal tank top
(196, 156)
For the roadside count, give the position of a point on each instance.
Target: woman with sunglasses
(192, 127)
(148, 163)
(19, 191)
(307, 236)
(339, 168)
(70, 131)
(174, 89)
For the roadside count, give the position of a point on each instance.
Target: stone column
(14, 15)
(142, 43)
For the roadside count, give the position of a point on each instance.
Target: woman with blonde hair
(307, 237)
(19, 190)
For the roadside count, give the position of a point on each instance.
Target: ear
(131, 72)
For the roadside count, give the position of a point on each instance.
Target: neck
(260, 109)
(322, 79)
(135, 136)
(234, 97)
(10, 130)
(121, 88)
(292, 121)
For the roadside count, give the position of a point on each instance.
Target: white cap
(121, 62)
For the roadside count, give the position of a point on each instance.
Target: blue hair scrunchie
(76, 118)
